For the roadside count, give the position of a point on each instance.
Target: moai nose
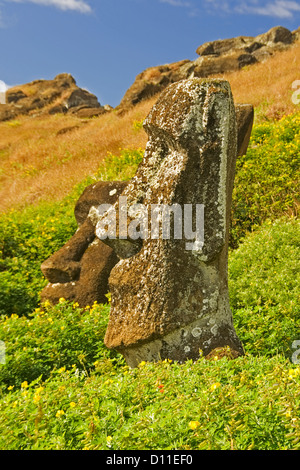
(64, 265)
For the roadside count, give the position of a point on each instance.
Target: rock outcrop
(216, 57)
(79, 271)
(169, 289)
(60, 95)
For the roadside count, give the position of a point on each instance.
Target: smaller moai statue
(79, 271)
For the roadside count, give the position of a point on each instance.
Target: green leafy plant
(267, 177)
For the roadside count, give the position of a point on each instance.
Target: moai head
(169, 289)
(79, 271)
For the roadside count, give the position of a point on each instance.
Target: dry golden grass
(268, 86)
(36, 163)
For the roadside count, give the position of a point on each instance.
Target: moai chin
(170, 294)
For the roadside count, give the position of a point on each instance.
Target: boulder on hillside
(276, 35)
(153, 80)
(296, 34)
(15, 96)
(216, 57)
(248, 44)
(223, 46)
(80, 97)
(60, 95)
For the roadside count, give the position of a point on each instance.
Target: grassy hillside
(60, 387)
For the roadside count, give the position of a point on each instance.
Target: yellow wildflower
(194, 424)
(24, 384)
(59, 413)
(36, 398)
(109, 381)
(215, 386)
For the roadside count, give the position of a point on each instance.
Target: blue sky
(104, 44)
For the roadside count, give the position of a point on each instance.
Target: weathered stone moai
(169, 290)
(79, 271)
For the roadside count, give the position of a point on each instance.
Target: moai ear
(244, 118)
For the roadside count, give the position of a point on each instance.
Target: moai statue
(79, 271)
(170, 229)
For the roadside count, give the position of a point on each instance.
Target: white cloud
(177, 3)
(276, 8)
(77, 5)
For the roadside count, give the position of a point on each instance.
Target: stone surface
(244, 118)
(60, 95)
(153, 80)
(275, 35)
(86, 112)
(102, 192)
(224, 46)
(296, 35)
(79, 271)
(169, 301)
